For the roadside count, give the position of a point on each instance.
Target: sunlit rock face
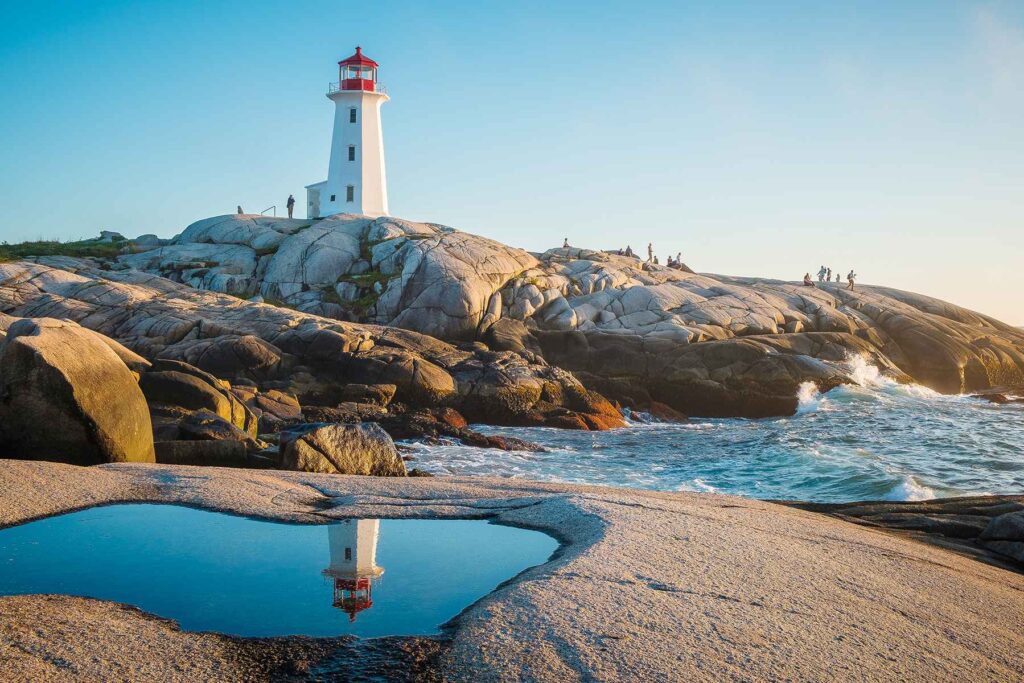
(389, 271)
(639, 332)
(169, 321)
(67, 394)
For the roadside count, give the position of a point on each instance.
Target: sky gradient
(760, 138)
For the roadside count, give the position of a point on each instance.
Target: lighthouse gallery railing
(336, 87)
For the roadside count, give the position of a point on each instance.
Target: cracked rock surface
(638, 332)
(646, 585)
(167, 321)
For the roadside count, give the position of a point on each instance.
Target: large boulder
(1005, 535)
(341, 449)
(228, 356)
(66, 395)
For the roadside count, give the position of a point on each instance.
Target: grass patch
(363, 303)
(366, 279)
(80, 249)
(331, 297)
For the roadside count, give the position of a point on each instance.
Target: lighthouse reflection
(353, 546)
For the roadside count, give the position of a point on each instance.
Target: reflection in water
(215, 572)
(353, 567)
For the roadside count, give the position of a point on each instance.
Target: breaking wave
(874, 439)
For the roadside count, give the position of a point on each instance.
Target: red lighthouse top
(357, 72)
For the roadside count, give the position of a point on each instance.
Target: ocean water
(875, 440)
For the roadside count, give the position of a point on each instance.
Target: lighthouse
(353, 547)
(356, 182)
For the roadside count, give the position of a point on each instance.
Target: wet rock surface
(987, 528)
(54, 649)
(646, 586)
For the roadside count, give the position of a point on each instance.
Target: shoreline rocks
(364, 449)
(628, 327)
(310, 357)
(67, 395)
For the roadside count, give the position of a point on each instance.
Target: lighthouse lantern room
(356, 180)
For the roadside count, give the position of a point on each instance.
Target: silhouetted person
(828, 277)
(650, 252)
(821, 274)
(291, 205)
(565, 243)
(807, 280)
(240, 212)
(850, 277)
(629, 250)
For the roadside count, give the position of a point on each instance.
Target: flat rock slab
(646, 586)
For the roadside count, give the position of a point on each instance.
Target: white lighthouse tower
(356, 182)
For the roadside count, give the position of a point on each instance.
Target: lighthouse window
(333, 196)
(352, 115)
(350, 193)
(348, 554)
(351, 152)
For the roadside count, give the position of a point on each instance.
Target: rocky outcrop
(180, 396)
(389, 271)
(715, 345)
(205, 453)
(67, 395)
(642, 333)
(1005, 534)
(756, 376)
(987, 528)
(313, 358)
(341, 449)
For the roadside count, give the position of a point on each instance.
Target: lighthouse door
(314, 204)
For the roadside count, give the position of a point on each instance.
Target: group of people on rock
(676, 262)
(825, 275)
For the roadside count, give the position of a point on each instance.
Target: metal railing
(269, 208)
(336, 87)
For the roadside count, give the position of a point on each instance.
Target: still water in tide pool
(869, 441)
(217, 572)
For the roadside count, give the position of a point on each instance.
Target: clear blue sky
(758, 138)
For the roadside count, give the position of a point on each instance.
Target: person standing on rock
(679, 258)
(240, 212)
(565, 243)
(290, 205)
(850, 277)
(821, 274)
(828, 277)
(650, 252)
